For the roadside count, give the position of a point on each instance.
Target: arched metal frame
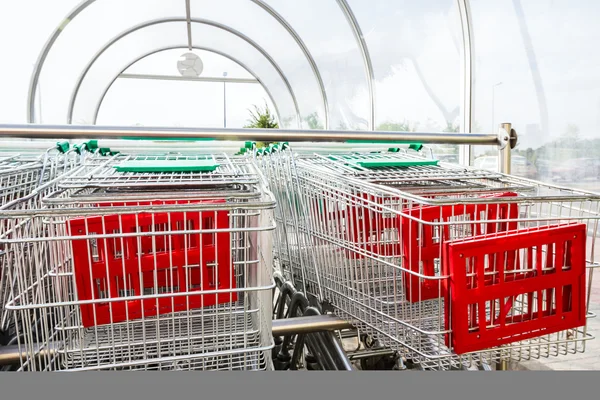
(179, 19)
(84, 4)
(35, 77)
(304, 48)
(468, 67)
(204, 48)
(364, 50)
(468, 61)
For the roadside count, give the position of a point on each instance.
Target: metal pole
(504, 155)
(242, 134)
(224, 102)
(281, 327)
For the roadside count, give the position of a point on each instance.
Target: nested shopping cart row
(145, 262)
(23, 180)
(449, 265)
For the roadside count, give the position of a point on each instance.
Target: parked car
(544, 167)
(448, 158)
(575, 169)
(520, 165)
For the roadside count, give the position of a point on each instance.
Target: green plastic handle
(167, 166)
(91, 145)
(79, 148)
(395, 163)
(63, 147)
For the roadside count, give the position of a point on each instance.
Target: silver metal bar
(361, 354)
(504, 156)
(188, 15)
(201, 21)
(273, 135)
(468, 75)
(318, 323)
(364, 50)
(209, 49)
(187, 78)
(12, 355)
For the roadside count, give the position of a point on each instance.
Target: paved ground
(590, 359)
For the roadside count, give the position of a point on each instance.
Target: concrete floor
(590, 359)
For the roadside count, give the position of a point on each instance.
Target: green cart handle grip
(91, 145)
(63, 147)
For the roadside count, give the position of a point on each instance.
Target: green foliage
(313, 121)
(394, 126)
(450, 127)
(262, 118)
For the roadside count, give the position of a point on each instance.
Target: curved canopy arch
(148, 24)
(343, 103)
(204, 48)
(33, 86)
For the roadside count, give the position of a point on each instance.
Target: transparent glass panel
(326, 32)
(191, 104)
(164, 35)
(22, 35)
(537, 68)
(82, 37)
(255, 22)
(416, 50)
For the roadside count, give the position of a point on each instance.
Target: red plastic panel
(544, 294)
(136, 265)
(421, 240)
(367, 227)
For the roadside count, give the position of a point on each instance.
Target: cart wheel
(367, 340)
(282, 362)
(384, 363)
(311, 363)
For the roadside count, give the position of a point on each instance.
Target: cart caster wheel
(368, 341)
(282, 362)
(277, 349)
(311, 363)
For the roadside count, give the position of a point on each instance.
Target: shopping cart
(23, 180)
(153, 262)
(451, 266)
(293, 255)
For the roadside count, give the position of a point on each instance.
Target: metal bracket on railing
(507, 137)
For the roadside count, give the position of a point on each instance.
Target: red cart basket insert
(423, 237)
(543, 294)
(141, 264)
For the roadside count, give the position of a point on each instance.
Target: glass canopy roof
(435, 65)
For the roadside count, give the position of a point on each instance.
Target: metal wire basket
(173, 272)
(451, 266)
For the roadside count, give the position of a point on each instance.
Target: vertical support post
(504, 156)
(502, 365)
(224, 101)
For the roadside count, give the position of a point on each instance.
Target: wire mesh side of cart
(24, 180)
(144, 278)
(389, 260)
(293, 251)
(102, 172)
